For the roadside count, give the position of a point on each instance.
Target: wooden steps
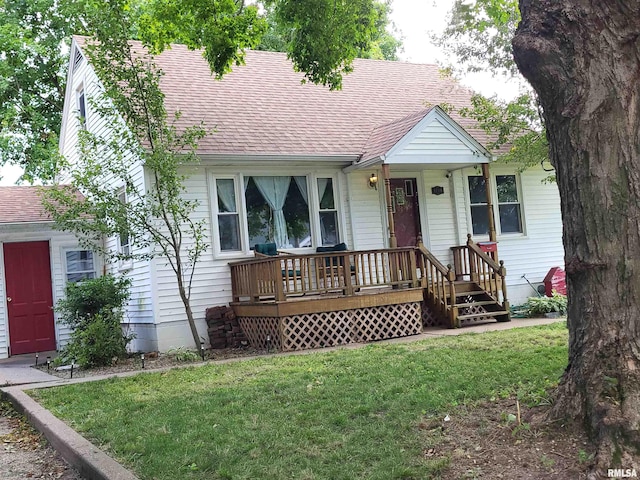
(472, 303)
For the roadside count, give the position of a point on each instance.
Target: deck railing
(471, 263)
(438, 282)
(285, 276)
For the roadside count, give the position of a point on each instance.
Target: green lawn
(337, 415)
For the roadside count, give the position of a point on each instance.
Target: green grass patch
(338, 415)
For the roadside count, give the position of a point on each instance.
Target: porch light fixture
(373, 181)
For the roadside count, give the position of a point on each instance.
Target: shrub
(182, 354)
(536, 306)
(94, 310)
(83, 300)
(98, 343)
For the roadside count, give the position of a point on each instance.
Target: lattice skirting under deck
(324, 329)
(429, 318)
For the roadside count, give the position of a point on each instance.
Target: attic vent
(77, 60)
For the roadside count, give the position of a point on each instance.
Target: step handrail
(438, 282)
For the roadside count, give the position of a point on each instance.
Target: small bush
(182, 354)
(536, 306)
(94, 310)
(98, 343)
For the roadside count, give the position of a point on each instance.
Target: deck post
(278, 279)
(393, 241)
(492, 220)
(346, 269)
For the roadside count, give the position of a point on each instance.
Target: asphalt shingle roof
(22, 205)
(262, 108)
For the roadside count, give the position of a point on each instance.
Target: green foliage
(536, 306)
(94, 309)
(384, 45)
(33, 36)
(84, 300)
(479, 36)
(182, 354)
(157, 218)
(325, 36)
(516, 123)
(97, 343)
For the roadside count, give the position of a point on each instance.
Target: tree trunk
(583, 59)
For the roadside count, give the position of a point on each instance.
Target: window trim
(81, 93)
(493, 185)
(65, 264)
(314, 208)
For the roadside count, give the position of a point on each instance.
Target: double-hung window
(124, 242)
(228, 214)
(506, 197)
(328, 212)
(79, 265)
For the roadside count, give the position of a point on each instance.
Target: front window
(228, 217)
(328, 212)
(278, 211)
(509, 219)
(79, 265)
(479, 208)
(508, 204)
(296, 211)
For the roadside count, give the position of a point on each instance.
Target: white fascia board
(229, 160)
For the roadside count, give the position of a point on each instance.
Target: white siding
(441, 216)
(57, 242)
(540, 247)
(140, 308)
(212, 279)
(365, 212)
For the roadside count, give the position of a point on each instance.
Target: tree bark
(583, 59)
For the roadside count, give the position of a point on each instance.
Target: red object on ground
(555, 281)
(488, 247)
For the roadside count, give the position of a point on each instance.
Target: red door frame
(29, 297)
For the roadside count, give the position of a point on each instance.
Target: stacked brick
(224, 329)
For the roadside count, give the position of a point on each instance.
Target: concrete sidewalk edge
(89, 460)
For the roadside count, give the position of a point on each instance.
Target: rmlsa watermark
(622, 473)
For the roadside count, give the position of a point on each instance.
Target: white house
(296, 164)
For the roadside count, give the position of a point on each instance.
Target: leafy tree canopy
(479, 35)
(385, 45)
(323, 38)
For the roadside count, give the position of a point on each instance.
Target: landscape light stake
(268, 343)
(48, 364)
(202, 351)
(36, 359)
(72, 365)
(142, 358)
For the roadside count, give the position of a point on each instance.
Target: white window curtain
(226, 194)
(274, 190)
(302, 185)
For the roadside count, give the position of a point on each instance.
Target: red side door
(406, 213)
(29, 297)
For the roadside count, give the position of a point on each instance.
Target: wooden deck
(295, 302)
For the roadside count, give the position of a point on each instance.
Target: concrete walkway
(88, 459)
(17, 370)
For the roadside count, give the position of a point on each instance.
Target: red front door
(29, 297)
(406, 214)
